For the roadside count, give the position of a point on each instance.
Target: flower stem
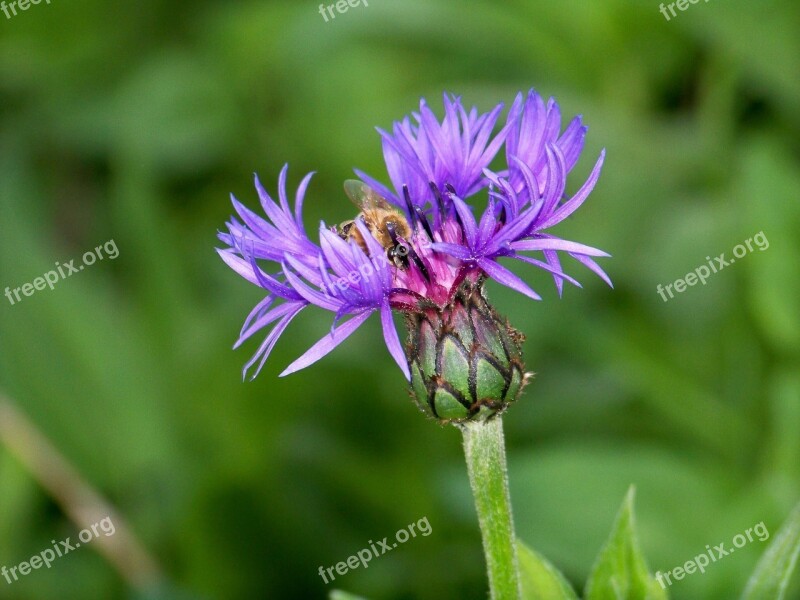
(484, 449)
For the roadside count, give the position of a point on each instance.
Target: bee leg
(343, 229)
(398, 252)
(397, 258)
(404, 250)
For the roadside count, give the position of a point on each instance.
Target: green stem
(484, 449)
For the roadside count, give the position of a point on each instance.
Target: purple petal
(379, 280)
(271, 284)
(453, 250)
(571, 142)
(298, 202)
(580, 196)
(257, 311)
(467, 220)
(327, 343)
(238, 264)
(551, 256)
(479, 145)
(558, 274)
(258, 225)
(310, 274)
(282, 190)
(514, 112)
(515, 229)
(393, 340)
(557, 244)
(531, 130)
(593, 266)
(502, 275)
(507, 194)
(556, 179)
(278, 217)
(487, 225)
(336, 251)
(269, 343)
(553, 121)
(313, 296)
(272, 315)
(531, 183)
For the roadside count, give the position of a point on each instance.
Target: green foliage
(771, 577)
(620, 571)
(541, 580)
(340, 595)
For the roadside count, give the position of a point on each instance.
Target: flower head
(418, 246)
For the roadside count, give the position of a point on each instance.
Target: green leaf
(340, 595)
(773, 571)
(539, 579)
(620, 571)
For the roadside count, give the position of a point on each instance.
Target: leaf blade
(773, 571)
(620, 571)
(539, 579)
(340, 595)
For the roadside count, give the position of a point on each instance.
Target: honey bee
(385, 222)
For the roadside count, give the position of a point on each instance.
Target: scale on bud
(465, 361)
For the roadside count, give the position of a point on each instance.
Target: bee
(384, 222)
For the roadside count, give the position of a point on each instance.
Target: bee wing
(364, 197)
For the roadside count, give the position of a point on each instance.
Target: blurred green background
(133, 122)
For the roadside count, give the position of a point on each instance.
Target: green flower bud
(465, 361)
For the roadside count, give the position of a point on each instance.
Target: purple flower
(432, 244)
